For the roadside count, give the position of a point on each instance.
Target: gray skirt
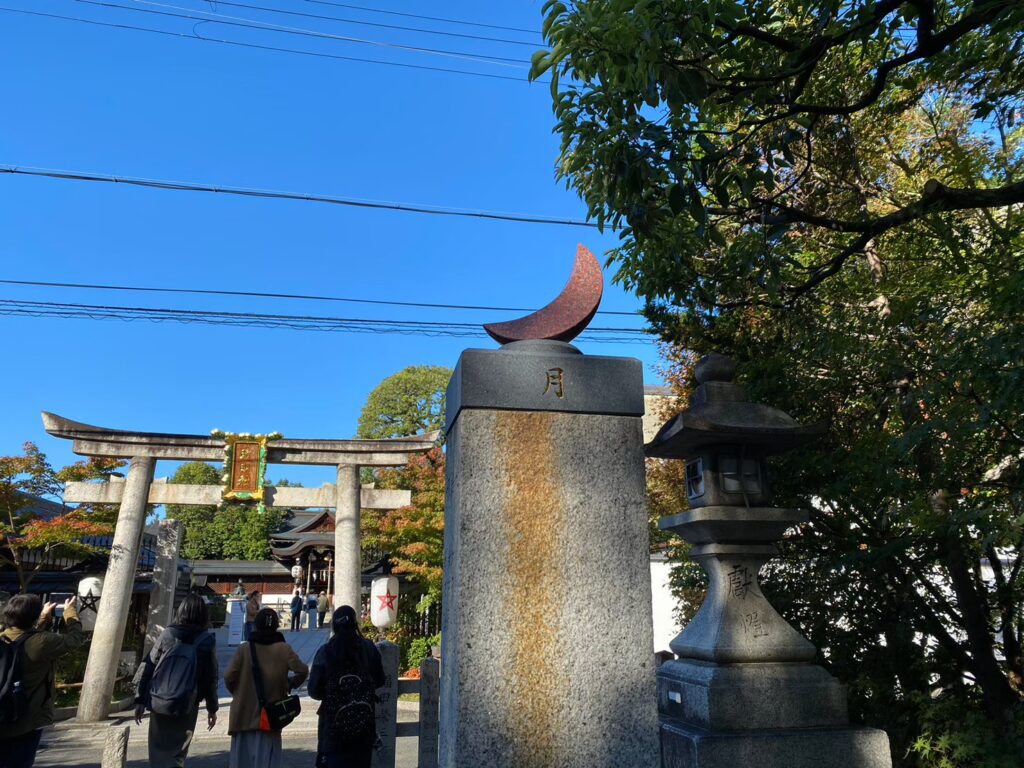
(255, 749)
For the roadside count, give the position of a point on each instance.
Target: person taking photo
(27, 683)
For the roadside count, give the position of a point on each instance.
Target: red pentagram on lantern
(387, 601)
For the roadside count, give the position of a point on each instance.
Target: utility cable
(427, 18)
(419, 30)
(185, 186)
(245, 23)
(289, 322)
(256, 46)
(268, 295)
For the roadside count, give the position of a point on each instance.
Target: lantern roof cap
(721, 415)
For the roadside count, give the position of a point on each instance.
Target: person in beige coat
(282, 671)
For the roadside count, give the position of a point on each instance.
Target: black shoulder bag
(274, 715)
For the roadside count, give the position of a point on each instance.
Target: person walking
(33, 653)
(178, 673)
(252, 607)
(253, 744)
(347, 671)
(322, 606)
(296, 607)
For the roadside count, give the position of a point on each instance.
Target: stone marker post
(115, 747)
(387, 707)
(165, 580)
(429, 692)
(112, 617)
(547, 614)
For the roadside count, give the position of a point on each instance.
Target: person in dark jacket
(346, 652)
(296, 607)
(24, 616)
(170, 736)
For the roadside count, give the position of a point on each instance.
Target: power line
(288, 322)
(428, 18)
(268, 295)
(185, 186)
(256, 46)
(244, 23)
(420, 30)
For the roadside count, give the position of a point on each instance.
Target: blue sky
(90, 98)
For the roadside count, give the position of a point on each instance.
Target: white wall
(665, 626)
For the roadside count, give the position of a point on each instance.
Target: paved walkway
(305, 642)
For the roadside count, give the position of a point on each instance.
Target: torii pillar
(144, 449)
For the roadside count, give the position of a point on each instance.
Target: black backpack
(350, 703)
(13, 694)
(173, 687)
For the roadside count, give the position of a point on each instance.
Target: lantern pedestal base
(744, 697)
(684, 746)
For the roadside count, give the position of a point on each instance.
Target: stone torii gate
(144, 449)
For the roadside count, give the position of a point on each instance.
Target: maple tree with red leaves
(30, 539)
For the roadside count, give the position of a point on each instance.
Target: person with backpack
(296, 607)
(260, 676)
(27, 685)
(347, 671)
(178, 673)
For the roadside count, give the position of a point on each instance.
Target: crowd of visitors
(180, 673)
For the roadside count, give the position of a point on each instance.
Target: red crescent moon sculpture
(565, 317)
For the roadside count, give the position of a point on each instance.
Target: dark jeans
(20, 751)
(321, 615)
(296, 621)
(247, 630)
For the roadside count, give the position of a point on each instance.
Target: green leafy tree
(406, 403)
(231, 532)
(831, 193)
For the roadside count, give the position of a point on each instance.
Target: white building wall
(665, 626)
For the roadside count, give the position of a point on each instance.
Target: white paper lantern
(384, 601)
(89, 590)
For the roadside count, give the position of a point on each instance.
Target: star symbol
(88, 602)
(387, 601)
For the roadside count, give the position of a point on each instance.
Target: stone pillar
(387, 707)
(165, 580)
(348, 571)
(429, 692)
(112, 617)
(547, 614)
(115, 747)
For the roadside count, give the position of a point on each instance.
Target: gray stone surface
(547, 622)
(686, 747)
(290, 497)
(115, 748)
(735, 622)
(91, 440)
(516, 377)
(165, 580)
(387, 707)
(347, 554)
(430, 691)
(740, 697)
(112, 617)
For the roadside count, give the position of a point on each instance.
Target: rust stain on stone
(534, 522)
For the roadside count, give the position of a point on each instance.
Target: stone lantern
(743, 690)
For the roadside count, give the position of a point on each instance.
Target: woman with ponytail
(347, 670)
